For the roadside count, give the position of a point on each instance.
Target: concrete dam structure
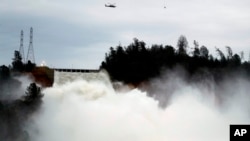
(45, 75)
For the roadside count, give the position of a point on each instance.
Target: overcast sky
(78, 33)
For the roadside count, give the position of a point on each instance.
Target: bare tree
(221, 54)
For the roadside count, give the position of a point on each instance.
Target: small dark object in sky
(110, 5)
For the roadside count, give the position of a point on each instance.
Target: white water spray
(80, 109)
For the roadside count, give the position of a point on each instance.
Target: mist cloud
(93, 111)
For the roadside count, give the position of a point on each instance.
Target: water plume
(91, 110)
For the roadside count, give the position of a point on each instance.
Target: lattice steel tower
(21, 50)
(30, 55)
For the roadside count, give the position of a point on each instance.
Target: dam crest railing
(76, 70)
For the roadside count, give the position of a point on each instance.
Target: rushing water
(85, 107)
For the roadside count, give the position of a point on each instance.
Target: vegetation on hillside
(19, 66)
(156, 69)
(136, 62)
(15, 111)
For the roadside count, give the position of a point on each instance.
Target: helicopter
(110, 5)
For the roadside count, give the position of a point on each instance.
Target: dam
(45, 76)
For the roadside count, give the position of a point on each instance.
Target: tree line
(19, 66)
(136, 62)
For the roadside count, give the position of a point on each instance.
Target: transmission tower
(30, 55)
(21, 50)
(249, 57)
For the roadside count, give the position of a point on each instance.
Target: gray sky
(78, 33)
